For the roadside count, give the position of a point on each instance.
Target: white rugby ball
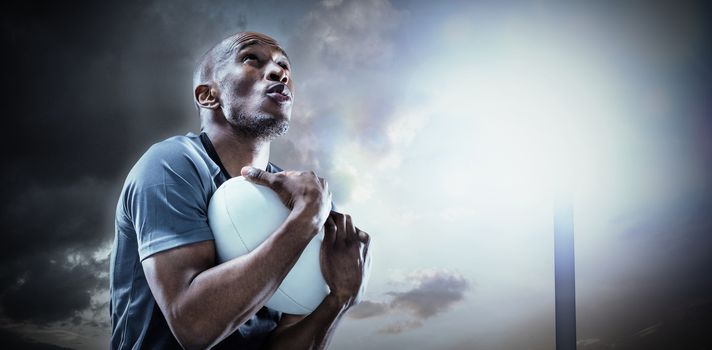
(242, 215)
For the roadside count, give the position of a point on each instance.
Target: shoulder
(174, 151)
(176, 159)
(172, 170)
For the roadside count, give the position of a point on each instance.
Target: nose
(275, 72)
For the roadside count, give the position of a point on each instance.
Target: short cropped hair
(214, 58)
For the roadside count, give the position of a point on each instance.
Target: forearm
(312, 332)
(220, 299)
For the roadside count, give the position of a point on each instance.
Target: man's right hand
(300, 191)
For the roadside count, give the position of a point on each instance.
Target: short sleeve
(167, 199)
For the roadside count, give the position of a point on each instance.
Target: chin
(277, 113)
(261, 123)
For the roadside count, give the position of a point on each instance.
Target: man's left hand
(344, 258)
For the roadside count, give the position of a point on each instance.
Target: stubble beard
(259, 126)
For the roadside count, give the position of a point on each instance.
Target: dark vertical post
(564, 272)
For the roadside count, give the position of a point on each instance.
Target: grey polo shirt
(164, 205)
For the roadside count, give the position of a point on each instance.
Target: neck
(236, 151)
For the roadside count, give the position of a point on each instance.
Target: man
(166, 290)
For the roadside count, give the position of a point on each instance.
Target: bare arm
(204, 303)
(308, 332)
(344, 261)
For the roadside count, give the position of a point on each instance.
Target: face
(256, 89)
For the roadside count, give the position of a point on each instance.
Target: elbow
(193, 340)
(199, 331)
(190, 342)
(192, 333)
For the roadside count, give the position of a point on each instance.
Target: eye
(248, 57)
(283, 65)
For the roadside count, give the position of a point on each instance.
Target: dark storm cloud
(10, 340)
(87, 88)
(96, 83)
(47, 268)
(433, 292)
(54, 290)
(45, 219)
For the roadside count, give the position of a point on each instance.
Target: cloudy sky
(441, 127)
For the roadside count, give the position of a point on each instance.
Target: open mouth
(279, 92)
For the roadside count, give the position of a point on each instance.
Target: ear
(206, 97)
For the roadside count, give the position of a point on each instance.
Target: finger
(351, 233)
(258, 176)
(340, 221)
(329, 231)
(365, 239)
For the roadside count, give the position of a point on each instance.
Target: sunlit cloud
(342, 52)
